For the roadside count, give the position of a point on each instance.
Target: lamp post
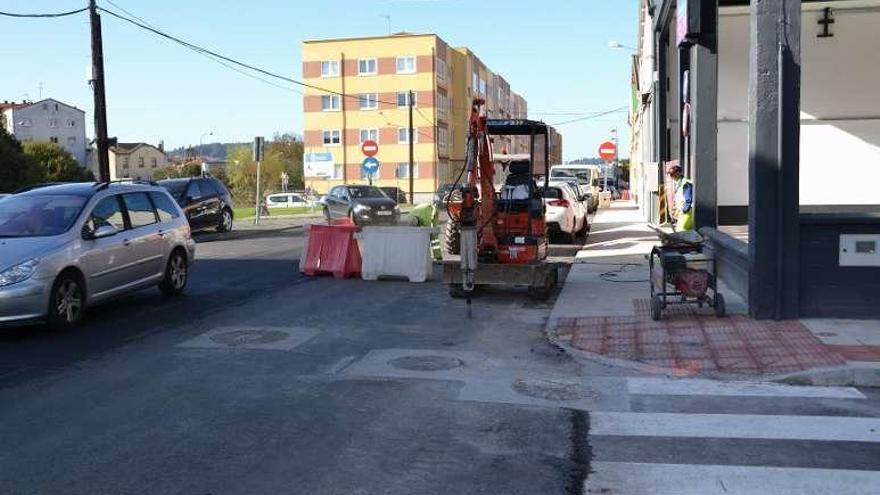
(211, 133)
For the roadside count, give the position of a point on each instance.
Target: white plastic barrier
(302, 257)
(396, 252)
(605, 199)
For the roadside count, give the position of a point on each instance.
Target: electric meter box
(860, 250)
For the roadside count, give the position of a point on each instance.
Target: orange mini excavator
(502, 233)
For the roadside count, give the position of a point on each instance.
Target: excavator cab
(501, 230)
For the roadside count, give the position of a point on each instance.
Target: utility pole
(412, 136)
(258, 157)
(98, 89)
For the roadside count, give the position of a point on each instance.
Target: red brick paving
(690, 342)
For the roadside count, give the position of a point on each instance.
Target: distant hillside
(588, 161)
(211, 151)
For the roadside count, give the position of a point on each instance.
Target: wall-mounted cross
(826, 21)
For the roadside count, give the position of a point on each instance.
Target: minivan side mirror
(101, 232)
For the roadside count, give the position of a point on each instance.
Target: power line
(44, 16)
(600, 114)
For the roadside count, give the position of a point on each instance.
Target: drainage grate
(239, 338)
(426, 363)
(553, 389)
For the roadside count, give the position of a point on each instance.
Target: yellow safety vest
(683, 220)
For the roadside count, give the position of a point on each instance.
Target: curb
(851, 375)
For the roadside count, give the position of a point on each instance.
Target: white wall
(840, 106)
(33, 123)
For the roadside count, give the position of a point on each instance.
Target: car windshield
(175, 187)
(366, 192)
(582, 176)
(38, 215)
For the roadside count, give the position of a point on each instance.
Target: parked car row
(566, 212)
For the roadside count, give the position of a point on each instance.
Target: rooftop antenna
(40, 89)
(388, 20)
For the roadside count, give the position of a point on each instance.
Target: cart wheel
(720, 306)
(656, 308)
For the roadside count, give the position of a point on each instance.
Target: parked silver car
(65, 247)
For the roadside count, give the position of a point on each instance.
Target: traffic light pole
(97, 81)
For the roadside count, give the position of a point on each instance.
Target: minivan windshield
(38, 215)
(175, 187)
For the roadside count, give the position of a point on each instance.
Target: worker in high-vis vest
(683, 209)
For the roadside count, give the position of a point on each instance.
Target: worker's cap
(675, 169)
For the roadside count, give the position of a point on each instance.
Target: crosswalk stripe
(825, 428)
(687, 479)
(667, 386)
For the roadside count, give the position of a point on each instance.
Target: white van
(587, 177)
(287, 200)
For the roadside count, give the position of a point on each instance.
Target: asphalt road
(260, 380)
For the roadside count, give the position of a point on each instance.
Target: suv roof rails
(100, 186)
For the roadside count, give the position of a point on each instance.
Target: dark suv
(395, 193)
(205, 200)
(364, 205)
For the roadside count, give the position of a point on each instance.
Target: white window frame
(442, 69)
(332, 68)
(53, 123)
(484, 89)
(404, 58)
(140, 162)
(475, 83)
(335, 103)
(442, 138)
(405, 131)
(405, 95)
(405, 167)
(442, 104)
(368, 101)
(338, 171)
(330, 132)
(154, 162)
(370, 133)
(375, 63)
(53, 139)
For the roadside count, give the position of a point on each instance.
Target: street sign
(258, 148)
(607, 151)
(370, 148)
(370, 166)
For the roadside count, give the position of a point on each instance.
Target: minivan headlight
(18, 273)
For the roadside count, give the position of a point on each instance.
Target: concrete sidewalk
(603, 315)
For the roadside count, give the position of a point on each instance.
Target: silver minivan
(64, 247)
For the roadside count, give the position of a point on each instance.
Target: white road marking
(667, 386)
(687, 479)
(823, 428)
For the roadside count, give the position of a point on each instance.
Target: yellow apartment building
(375, 75)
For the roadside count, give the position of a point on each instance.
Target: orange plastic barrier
(333, 249)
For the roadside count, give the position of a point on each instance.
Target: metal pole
(98, 88)
(411, 148)
(257, 215)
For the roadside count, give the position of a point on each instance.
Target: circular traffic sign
(370, 147)
(370, 165)
(607, 151)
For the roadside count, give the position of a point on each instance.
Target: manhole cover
(426, 363)
(552, 389)
(238, 338)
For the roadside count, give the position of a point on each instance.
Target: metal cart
(681, 272)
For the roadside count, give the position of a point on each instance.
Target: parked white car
(287, 200)
(565, 216)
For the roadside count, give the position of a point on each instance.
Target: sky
(553, 52)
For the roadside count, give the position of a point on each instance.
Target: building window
(330, 68)
(403, 171)
(442, 103)
(442, 138)
(53, 123)
(483, 90)
(25, 122)
(368, 101)
(403, 100)
(475, 83)
(337, 171)
(441, 69)
(53, 139)
(71, 141)
(369, 134)
(331, 137)
(71, 123)
(140, 162)
(153, 162)
(124, 162)
(330, 103)
(406, 65)
(403, 136)
(367, 66)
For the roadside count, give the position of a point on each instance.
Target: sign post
(370, 164)
(258, 157)
(607, 152)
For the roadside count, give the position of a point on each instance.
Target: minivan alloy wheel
(227, 221)
(178, 272)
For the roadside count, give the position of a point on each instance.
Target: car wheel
(176, 275)
(66, 302)
(225, 224)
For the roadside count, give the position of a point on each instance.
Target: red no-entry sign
(370, 147)
(607, 151)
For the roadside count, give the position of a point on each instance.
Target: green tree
(290, 149)
(57, 164)
(242, 173)
(16, 169)
(188, 169)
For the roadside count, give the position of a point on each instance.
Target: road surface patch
(252, 338)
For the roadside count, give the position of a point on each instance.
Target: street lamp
(618, 45)
(201, 157)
